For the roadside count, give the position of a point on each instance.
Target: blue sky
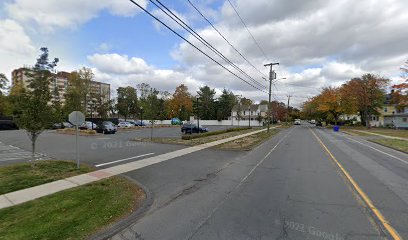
(318, 43)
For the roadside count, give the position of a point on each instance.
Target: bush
(189, 137)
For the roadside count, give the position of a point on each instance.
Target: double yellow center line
(361, 193)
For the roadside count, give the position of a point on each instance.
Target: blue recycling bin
(336, 128)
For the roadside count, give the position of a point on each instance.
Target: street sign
(77, 118)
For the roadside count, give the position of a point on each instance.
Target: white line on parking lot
(125, 159)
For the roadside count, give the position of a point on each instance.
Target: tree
(127, 104)
(246, 101)
(367, 94)
(400, 91)
(3, 84)
(329, 101)
(4, 100)
(36, 113)
(206, 103)
(225, 104)
(78, 91)
(181, 102)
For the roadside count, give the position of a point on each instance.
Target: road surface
(291, 187)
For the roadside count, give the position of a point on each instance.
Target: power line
(172, 30)
(202, 40)
(236, 50)
(256, 42)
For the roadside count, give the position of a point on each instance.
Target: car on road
(106, 127)
(312, 121)
(297, 122)
(87, 125)
(319, 124)
(125, 125)
(190, 128)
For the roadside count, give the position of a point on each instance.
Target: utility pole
(198, 115)
(287, 113)
(272, 76)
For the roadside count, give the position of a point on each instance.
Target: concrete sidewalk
(25, 195)
(381, 135)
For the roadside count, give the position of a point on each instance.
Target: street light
(239, 96)
(91, 106)
(141, 116)
(198, 115)
(249, 119)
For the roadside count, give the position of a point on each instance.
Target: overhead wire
(242, 21)
(197, 48)
(226, 40)
(186, 27)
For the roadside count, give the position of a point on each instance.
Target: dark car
(106, 127)
(8, 125)
(319, 124)
(139, 123)
(192, 128)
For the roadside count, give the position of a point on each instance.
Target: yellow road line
(366, 199)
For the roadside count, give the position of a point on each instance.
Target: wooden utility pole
(272, 76)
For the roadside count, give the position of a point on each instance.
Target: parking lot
(96, 150)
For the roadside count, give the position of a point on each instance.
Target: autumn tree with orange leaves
(181, 104)
(363, 95)
(400, 94)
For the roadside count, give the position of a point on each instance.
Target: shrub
(189, 137)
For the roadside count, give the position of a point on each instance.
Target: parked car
(313, 121)
(140, 123)
(8, 125)
(297, 122)
(319, 124)
(106, 127)
(62, 125)
(87, 125)
(192, 128)
(125, 125)
(176, 121)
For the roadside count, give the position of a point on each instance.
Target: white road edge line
(390, 155)
(121, 160)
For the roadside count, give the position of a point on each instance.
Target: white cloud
(119, 64)
(122, 71)
(15, 46)
(318, 43)
(51, 14)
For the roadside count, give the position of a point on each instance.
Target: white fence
(241, 123)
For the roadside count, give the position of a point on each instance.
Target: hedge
(189, 137)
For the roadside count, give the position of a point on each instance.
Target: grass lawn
(76, 213)
(25, 175)
(197, 141)
(382, 131)
(249, 142)
(391, 132)
(393, 143)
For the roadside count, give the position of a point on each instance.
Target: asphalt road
(288, 188)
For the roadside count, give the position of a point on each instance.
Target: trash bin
(336, 128)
